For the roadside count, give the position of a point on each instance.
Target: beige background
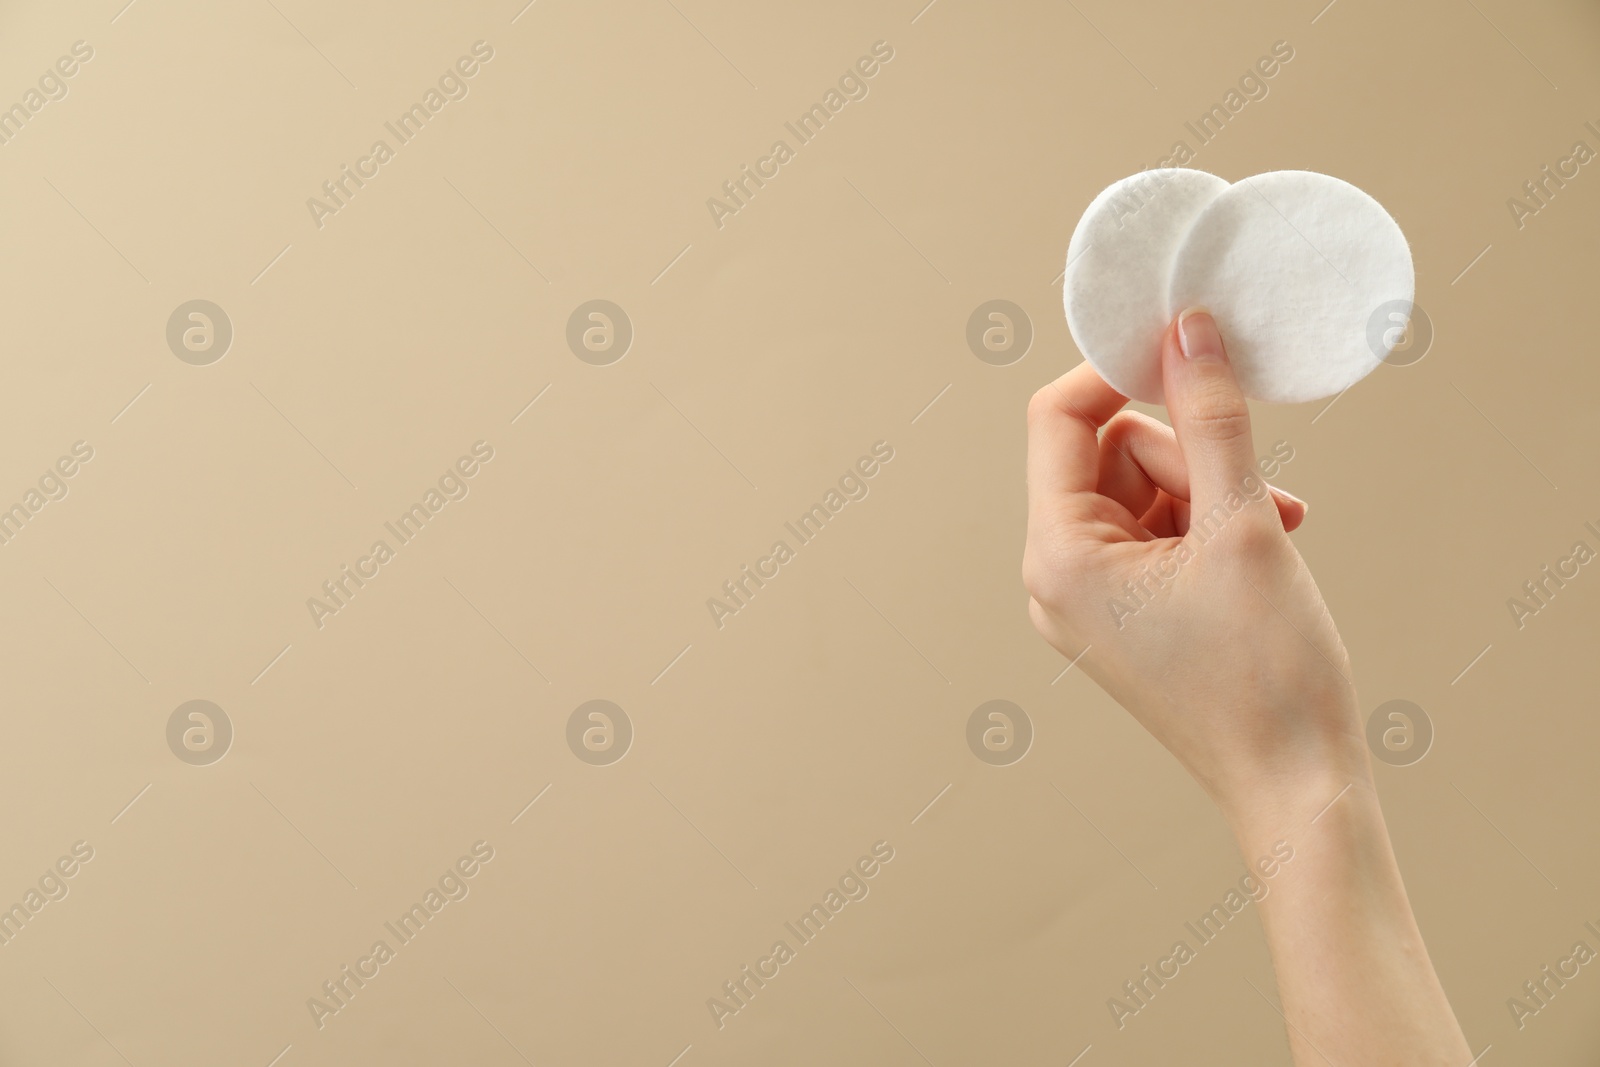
(769, 354)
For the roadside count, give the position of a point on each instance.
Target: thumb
(1208, 411)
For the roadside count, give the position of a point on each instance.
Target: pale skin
(1235, 666)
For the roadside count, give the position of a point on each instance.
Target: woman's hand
(1164, 560)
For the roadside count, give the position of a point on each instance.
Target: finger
(1142, 488)
(1291, 509)
(1208, 410)
(1140, 457)
(1064, 420)
(1180, 518)
(1166, 517)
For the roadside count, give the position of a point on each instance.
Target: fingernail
(1291, 497)
(1198, 336)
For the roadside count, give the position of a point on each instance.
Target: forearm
(1355, 979)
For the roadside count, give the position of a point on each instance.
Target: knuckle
(1038, 616)
(1047, 576)
(1123, 426)
(1219, 412)
(1257, 532)
(1041, 404)
(1037, 579)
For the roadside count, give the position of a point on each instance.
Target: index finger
(1064, 420)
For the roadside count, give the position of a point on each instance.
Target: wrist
(1343, 874)
(1292, 799)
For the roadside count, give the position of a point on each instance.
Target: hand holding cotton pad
(1293, 264)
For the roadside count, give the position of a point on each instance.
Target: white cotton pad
(1294, 265)
(1119, 264)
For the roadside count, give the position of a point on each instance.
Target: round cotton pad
(1294, 264)
(1118, 265)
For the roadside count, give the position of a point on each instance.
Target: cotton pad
(1119, 265)
(1293, 265)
